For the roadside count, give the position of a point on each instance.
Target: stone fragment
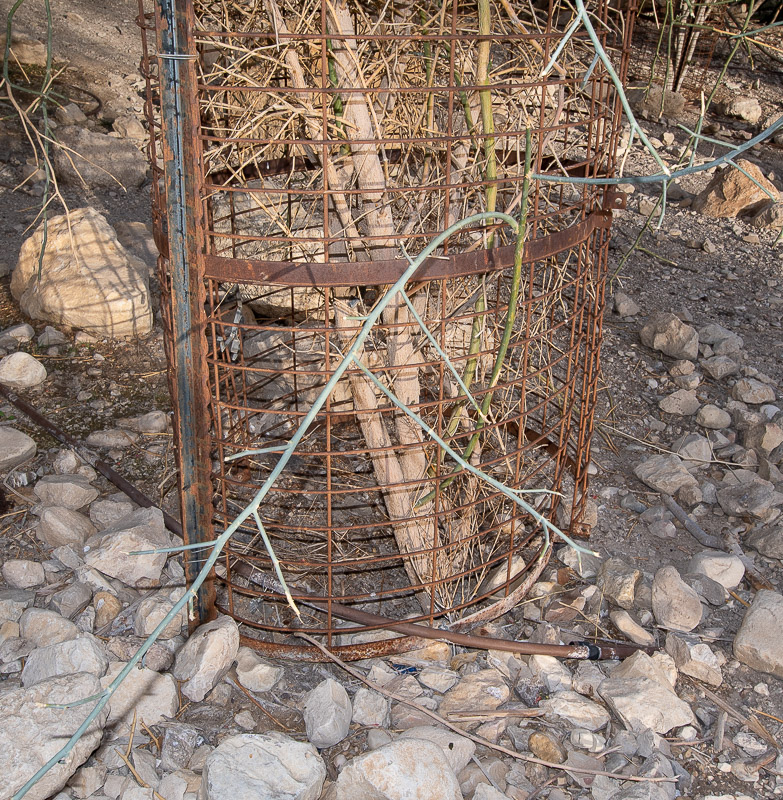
(370, 708)
(659, 668)
(722, 340)
(69, 491)
(629, 627)
(255, 673)
(97, 160)
(458, 750)
(576, 709)
(753, 498)
(115, 281)
(106, 513)
(618, 580)
(71, 599)
(752, 391)
(59, 526)
(65, 658)
(270, 766)
(51, 337)
(327, 714)
(129, 127)
(587, 740)
(106, 606)
(179, 744)
(439, 680)
(484, 690)
(546, 747)
(151, 422)
(21, 371)
(26, 50)
(43, 627)
(768, 541)
(206, 656)
(709, 591)
(731, 193)
(149, 694)
(87, 780)
(158, 657)
(664, 473)
(32, 732)
(585, 565)
(676, 606)
(625, 306)
(644, 703)
(770, 216)
(485, 791)
(16, 447)
(657, 102)
(718, 367)
(712, 417)
(406, 769)
(763, 437)
(682, 403)
(21, 573)
(151, 611)
(114, 550)
(669, 334)
(694, 449)
(111, 437)
(728, 570)
(551, 672)
(748, 109)
(694, 658)
(756, 643)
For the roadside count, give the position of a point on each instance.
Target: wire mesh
(329, 141)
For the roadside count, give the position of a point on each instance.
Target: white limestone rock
(151, 611)
(327, 714)
(32, 732)
(255, 673)
(269, 766)
(85, 654)
(675, 604)
(59, 526)
(728, 570)
(757, 642)
(370, 708)
(457, 749)
(84, 260)
(576, 709)
(206, 657)
(21, 371)
(406, 769)
(694, 658)
(69, 491)
(21, 573)
(43, 627)
(152, 696)
(642, 703)
(110, 551)
(16, 447)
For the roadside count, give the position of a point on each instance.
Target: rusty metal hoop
(297, 158)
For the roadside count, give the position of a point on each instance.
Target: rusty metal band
(388, 271)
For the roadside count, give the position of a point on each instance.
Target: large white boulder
(88, 279)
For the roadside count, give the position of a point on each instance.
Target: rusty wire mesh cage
(325, 141)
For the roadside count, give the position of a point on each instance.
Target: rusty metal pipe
(578, 650)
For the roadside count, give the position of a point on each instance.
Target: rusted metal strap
(388, 271)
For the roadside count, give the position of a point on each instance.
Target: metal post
(182, 163)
